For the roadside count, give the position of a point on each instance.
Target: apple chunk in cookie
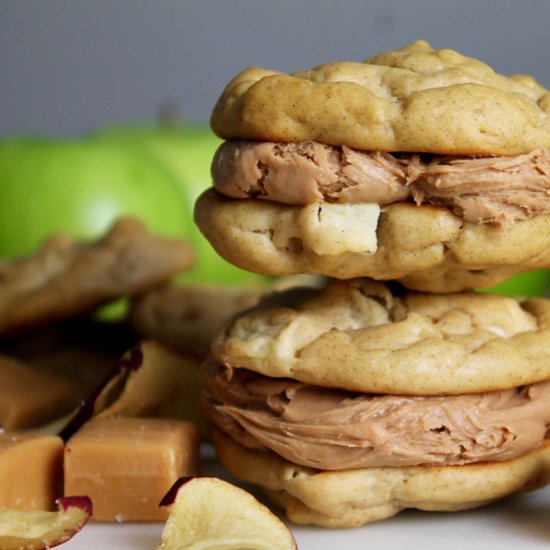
(37, 530)
(210, 513)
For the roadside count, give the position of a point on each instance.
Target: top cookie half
(414, 99)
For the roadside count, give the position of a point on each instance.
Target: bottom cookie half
(351, 498)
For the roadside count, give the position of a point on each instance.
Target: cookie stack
(409, 179)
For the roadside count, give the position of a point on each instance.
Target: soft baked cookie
(351, 498)
(420, 165)
(68, 277)
(426, 248)
(353, 402)
(186, 317)
(359, 336)
(411, 99)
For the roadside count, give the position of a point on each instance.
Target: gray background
(69, 66)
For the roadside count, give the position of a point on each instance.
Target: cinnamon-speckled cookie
(351, 498)
(68, 277)
(358, 335)
(427, 248)
(412, 99)
(186, 317)
(350, 403)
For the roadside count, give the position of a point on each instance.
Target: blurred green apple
(524, 285)
(80, 187)
(186, 150)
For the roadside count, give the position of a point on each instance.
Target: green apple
(186, 150)
(80, 187)
(524, 285)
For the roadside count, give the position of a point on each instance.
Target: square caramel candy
(31, 470)
(126, 465)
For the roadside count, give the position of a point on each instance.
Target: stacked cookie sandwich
(409, 179)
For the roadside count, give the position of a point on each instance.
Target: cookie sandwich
(351, 403)
(418, 165)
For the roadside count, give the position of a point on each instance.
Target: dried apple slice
(149, 380)
(206, 513)
(37, 529)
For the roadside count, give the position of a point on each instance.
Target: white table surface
(519, 522)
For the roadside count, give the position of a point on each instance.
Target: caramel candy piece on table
(126, 465)
(31, 468)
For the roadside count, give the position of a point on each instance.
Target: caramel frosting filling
(332, 429)
(490, 189)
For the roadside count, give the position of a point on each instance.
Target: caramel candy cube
(126, 465)
(30, 397)
(31, 469)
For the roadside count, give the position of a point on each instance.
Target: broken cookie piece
(68, 277)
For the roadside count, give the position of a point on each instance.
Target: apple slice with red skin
(150, 380)
(38, 529)
(207, 513)
(106, 392)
